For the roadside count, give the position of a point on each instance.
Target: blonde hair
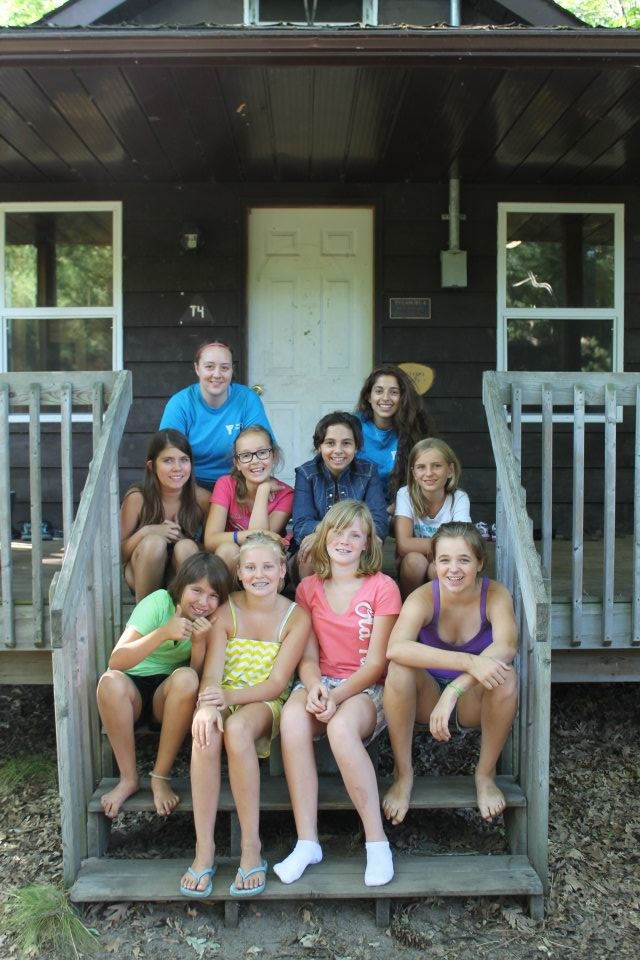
(264, 538)
(339, 517)
(416, 496)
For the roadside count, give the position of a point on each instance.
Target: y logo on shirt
(232, 428)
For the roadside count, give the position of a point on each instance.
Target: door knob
(257, 389)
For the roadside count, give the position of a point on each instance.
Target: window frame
(113, 312)
(615, 313)
(251, 9)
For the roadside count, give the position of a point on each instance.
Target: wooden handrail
(535, 595)
(82, 614)
(95, 494)
(519, 568)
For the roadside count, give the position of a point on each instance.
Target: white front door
(310, 316)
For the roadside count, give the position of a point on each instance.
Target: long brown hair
(411, 422)
(190, 516)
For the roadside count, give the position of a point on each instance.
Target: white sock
(303, 854)
(379, 863)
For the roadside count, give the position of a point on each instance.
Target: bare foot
(164, 797)
(112, 802)
(249, 880)
(491, 801)
(395, 803)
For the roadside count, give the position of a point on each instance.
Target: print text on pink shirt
(364, 613)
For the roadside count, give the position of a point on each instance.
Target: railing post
(577, 556)
(66, 459)
(35, 490)
(8, 624)
(635, 585)
(546, 507)
(609, 555)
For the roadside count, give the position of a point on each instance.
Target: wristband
(457, 689)
(235, 536)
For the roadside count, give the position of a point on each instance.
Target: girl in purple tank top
(479, 642)
(466, 636)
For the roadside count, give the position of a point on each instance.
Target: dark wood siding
(459, 341)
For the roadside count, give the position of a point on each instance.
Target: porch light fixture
(191, 237)
(513, 244)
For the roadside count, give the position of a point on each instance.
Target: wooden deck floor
(21, 562)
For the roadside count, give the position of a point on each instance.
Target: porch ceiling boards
(513, 106)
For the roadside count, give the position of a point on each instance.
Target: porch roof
(514, 105)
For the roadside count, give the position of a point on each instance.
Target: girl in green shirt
(154, 674)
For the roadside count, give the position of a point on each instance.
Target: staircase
(338, 876)
(81, 644)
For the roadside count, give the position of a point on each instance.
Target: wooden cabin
(391, 182)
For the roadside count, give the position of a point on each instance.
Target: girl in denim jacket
(334, 474)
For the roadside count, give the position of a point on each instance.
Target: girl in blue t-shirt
(154, 673)
(393, 419)
(212, 412)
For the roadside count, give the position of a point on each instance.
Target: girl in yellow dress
(256, 643)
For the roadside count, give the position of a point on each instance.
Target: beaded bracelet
(457, 689)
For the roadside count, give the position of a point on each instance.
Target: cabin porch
(74, 632)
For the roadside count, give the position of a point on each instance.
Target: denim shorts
(375, 691)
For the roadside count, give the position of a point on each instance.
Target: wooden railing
(40, 395)
(85, 616)
(594, 404)
(518, 567)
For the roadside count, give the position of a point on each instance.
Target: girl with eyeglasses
(249, 498)
(213, 411)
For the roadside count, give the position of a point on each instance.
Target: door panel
(310, 316)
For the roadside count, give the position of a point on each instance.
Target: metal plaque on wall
(410, 308)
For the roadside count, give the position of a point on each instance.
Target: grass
(37, 769)
(40, 916)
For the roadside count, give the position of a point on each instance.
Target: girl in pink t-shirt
(353, 608)
(248, 499)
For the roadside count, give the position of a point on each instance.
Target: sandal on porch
(208, 890)
(250, 891)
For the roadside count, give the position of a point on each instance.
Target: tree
(605, 13)
(19, 13)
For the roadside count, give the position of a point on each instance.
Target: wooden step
(429, 793)
(337, 877)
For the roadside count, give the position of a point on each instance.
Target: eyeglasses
(246, 457)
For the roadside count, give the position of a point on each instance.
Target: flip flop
(207, 872)
(250, 891)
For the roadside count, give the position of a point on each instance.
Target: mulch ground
(593, 910)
